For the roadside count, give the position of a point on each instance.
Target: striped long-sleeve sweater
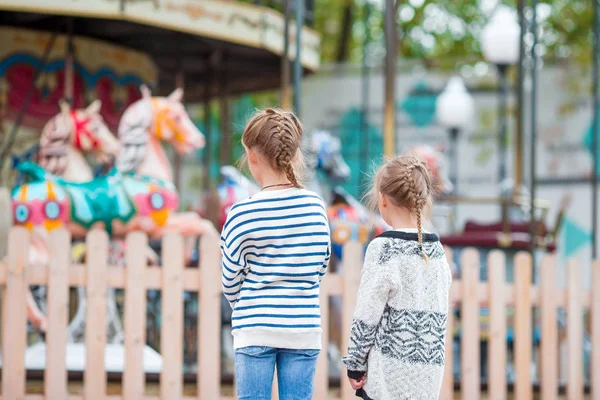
(276, 250)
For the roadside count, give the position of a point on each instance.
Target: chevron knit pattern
(399, 328)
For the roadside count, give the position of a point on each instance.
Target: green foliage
(445, 33)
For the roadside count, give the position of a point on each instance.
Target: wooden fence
(173, 279)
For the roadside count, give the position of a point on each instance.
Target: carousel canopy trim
(239, 23)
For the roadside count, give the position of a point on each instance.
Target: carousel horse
(63, 140)
(143, 126)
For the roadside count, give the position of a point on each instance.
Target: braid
(419, 200)
(288, 143)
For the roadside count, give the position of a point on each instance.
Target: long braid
(419, 198)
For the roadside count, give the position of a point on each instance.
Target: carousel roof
(236, 47)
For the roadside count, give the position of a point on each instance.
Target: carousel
(92, 106)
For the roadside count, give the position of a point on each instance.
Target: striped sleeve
(233, 271)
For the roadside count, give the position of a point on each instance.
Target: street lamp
(500, 45)
(455, 109)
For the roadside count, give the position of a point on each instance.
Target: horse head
(83, 130)
(172, 123)
(435, 161)
(328, 150)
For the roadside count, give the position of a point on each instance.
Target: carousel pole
(519, 155)
(179, 83)
(596, 107)
(297, 61)
(285, 59)
(364, 121)
(69, 67)
(391, 42)
(224, 109)
(533, 127)
(207, 129)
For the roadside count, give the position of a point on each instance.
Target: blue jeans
(254, 367)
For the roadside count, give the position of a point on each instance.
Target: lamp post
(455, 110)
(500, 45)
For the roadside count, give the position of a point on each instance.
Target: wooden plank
(55, 374)
(470, 325)
(5, 225)
(171, 337)
(447, 392)
(15, 318)
(497, 334)
(135, 316)
(549, 339)
(94, 385)
(523, 330)
(322, 374)
(574, 332)
(353, 256)
(595, 331)
(209, 319)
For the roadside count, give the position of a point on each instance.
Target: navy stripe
(274, 326)
(241, 308)
(302, 196)
(232, 286)
(317, 254)
(269, 228)
(312, 264)
(233, 294)
(291, 316)
(251, 289)
(290, 236)
(284, 274)
(285, 280)
(229, 220)
(287, 246)
(280, 296)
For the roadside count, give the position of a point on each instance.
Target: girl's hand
(357, 384)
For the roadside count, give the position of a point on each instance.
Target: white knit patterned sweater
(399, 328)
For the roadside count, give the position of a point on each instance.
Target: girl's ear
(252, 156)
(382, 199)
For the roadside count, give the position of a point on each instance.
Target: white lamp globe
(455, 107)
(500, 37)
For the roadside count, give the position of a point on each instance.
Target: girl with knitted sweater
(397, 343)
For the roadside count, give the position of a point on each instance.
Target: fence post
(352, 264)
(595, 330)
(448, 382)
(95, 319)
(135, 316)
(470, 325)
(549, 341)
(523, 330)
(14, 323)
(5, 224)
(322, 374)
(497, 335)
(574, 332)
(55, 374)
(171, 330)
(209, 319)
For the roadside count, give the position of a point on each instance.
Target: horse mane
(133, 134)
(54, 145)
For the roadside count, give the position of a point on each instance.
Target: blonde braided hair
(407, 182)
(277, 135)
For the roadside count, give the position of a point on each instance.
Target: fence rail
(468, 294)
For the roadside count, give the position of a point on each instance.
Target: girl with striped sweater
(276, 249)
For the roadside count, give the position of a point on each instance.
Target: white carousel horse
(143, 126)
